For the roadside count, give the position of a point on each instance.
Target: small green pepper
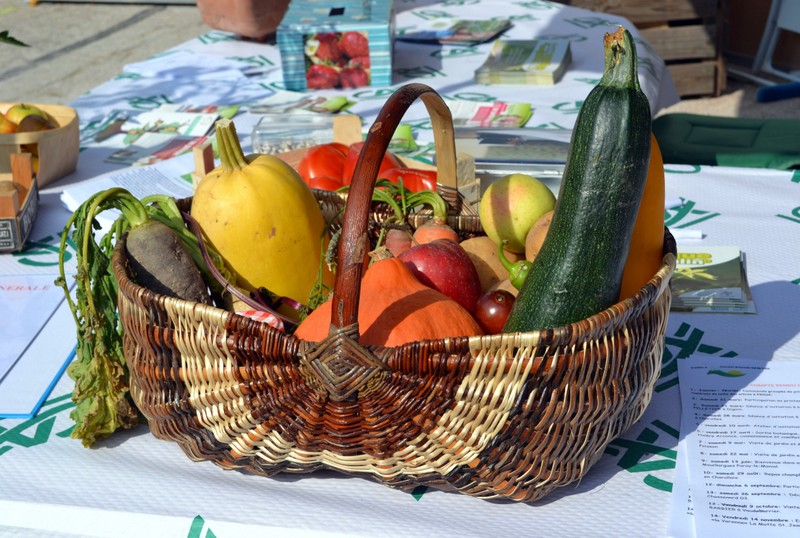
(516, 271)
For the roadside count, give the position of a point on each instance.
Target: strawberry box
(337, 44)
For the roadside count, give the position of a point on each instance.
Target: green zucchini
(578, 271)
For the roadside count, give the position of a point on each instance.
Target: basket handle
(354, 241)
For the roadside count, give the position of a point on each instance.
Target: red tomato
(389, 161)
(414, 179)
(323, 160)
(492, 310)
(325, 183)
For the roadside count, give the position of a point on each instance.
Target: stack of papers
(460, 32)
(525, 62)
(541, 153)
(711, 279)
(154, 135)
(493, 114)
(514, 146)
(738, 457)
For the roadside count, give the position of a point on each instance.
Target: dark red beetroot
(445, 266)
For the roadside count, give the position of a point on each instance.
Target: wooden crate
(685, 33)
(56, 149)
(19, 203)
(692, 56)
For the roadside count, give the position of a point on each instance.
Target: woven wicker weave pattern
(509, 416)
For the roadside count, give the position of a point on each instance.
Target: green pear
(511, 205)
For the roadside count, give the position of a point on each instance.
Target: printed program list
(741, 423)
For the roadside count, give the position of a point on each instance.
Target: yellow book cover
(518, 61)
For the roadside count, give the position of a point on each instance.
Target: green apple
(511, 205)
(20, 111)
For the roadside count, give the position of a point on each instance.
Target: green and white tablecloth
(218, 69)
(135, 485)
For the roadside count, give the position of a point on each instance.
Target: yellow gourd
(262, 218)
(647, 242)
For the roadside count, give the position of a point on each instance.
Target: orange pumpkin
(647, 242)
(396, 309)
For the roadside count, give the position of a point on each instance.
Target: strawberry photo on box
(337, 60)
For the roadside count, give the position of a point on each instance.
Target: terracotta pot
(254, 19)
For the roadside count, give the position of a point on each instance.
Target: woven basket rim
(612, 317)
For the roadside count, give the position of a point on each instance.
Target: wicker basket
(508, 416)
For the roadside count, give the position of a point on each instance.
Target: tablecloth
(135, 485)
(219, 69)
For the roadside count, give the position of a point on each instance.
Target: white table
(135, 485)
(217, 68)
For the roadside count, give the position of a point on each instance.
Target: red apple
(445, 266)
(32, 123)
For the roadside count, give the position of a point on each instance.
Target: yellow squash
(647, 242)
(262, 218)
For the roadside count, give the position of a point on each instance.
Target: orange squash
(395, 309)
(645, 255)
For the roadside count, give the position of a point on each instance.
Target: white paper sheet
(742, 441)
(165, 177)
(32, 299)
(47, 352)
(681, 518)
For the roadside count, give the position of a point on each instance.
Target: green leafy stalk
(320, 291)
(394, 196)
(434, 200)
(385, 196)
(102, 402)
(402, 201)
(101, 394)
